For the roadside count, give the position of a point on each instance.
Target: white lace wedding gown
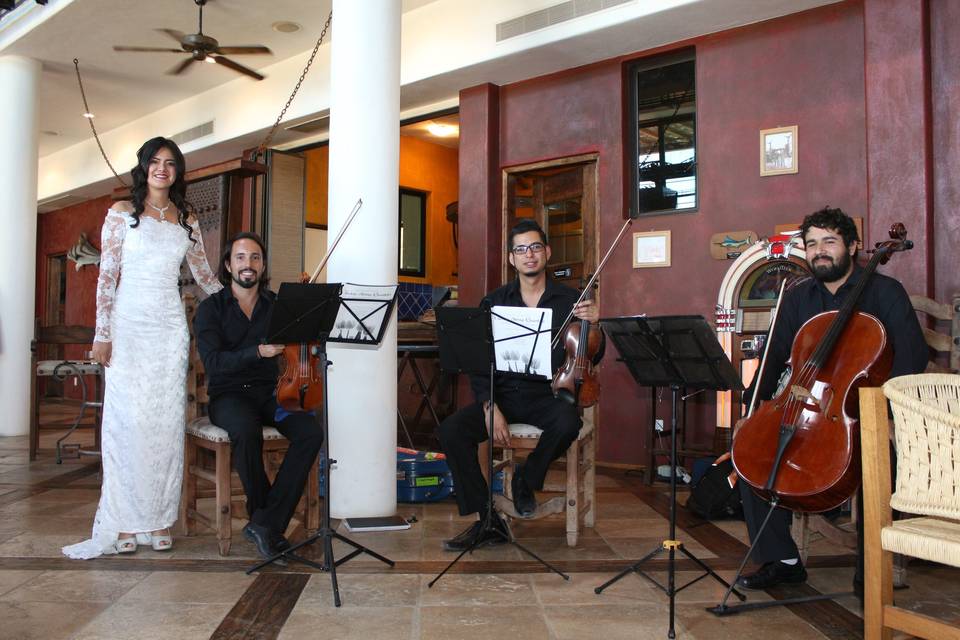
(145, 397)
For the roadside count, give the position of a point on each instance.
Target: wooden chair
(926, 410)
(61, 335)
(579, 489)
(938, 341)
(204, 436)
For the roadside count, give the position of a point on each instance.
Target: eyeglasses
(521, 249)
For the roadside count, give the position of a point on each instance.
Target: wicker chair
(926, 410)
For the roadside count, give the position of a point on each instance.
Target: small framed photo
(651, 249)
(778, 151)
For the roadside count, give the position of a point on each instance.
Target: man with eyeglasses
(517, 400)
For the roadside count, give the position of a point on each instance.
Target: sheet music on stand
(364, 313)
(521, 340)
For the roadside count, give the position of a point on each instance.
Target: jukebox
(748, 295)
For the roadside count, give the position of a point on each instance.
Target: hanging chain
(262, 147)
(86, 110)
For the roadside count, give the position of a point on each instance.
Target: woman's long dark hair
(178, 191)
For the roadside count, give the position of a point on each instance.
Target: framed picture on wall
(778, 151)
(651, 249)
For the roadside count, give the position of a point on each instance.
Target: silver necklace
(159, 210)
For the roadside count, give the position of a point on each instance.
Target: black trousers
(776, 542)
(461, 433)
(243, 415)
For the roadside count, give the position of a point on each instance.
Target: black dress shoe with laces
(774, 573)
(475, 533)
(524, 500)
(261, 538)
(279, 542)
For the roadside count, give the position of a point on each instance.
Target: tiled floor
(192, 592)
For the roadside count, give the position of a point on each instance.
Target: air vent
(553, 15)
(190, 135)
(312, 126)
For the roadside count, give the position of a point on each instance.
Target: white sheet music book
(519, 332)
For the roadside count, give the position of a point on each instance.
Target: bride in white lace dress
(142, 339)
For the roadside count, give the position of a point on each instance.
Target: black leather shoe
(474, 534)
(261, 537)
(524, 501)
(774, 573)
(279, 542)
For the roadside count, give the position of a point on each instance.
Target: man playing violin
(242, 371)
(517, 400)
(830, 240)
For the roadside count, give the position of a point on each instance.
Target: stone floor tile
(76, 586)
(475, 590)
(46, 620)
(189, 587)
(155, 621)
(349, 623)
(482, 623)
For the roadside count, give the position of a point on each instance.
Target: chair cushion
(934, 539)
(522, 430)
(202, 428)
(68, 368)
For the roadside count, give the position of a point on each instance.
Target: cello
(801, 450)
(300, 384)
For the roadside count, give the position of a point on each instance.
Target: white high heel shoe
(126, 545)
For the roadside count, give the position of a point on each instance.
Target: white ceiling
(122, 87)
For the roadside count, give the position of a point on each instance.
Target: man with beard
(517, 400)
(242, 373)
(830, 239)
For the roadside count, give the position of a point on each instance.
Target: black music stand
(675, 352)
(306, 313)
(466, 342)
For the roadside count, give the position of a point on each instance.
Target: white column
(364, 163)
(19, 85)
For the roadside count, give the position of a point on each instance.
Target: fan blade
(148, 49)
(227, 62)
(180, 68)
(248, 49)
(173, 33)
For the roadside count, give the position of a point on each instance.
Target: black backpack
(712, 498)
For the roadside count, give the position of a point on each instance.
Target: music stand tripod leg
(326, 533)
(487, 526)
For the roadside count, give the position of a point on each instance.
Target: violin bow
(590, 282)
(333, 245)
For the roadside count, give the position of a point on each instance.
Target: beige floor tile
(764, 624)
(155, 621)
(475, 590)
(362, 590)
(706, 591)
(557, 549)
(46, 620)
(189, 587)
(482, 623)
(11, 579)
(349, 623)
(579, 590)
(610, 622)
(76, 586)
(31, 545)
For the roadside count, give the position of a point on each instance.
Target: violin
(576, 381)
(801, 450)
(300, 384)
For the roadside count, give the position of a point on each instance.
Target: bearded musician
(830, 240)
(517, 400)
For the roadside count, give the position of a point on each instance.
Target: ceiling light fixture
(442, 130)
(210, 59)
(89, 116)
(286, 27)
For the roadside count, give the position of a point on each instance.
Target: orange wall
(424, 166)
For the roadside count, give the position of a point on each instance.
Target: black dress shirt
(227, 341)
(883, 297)
(557, 297)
